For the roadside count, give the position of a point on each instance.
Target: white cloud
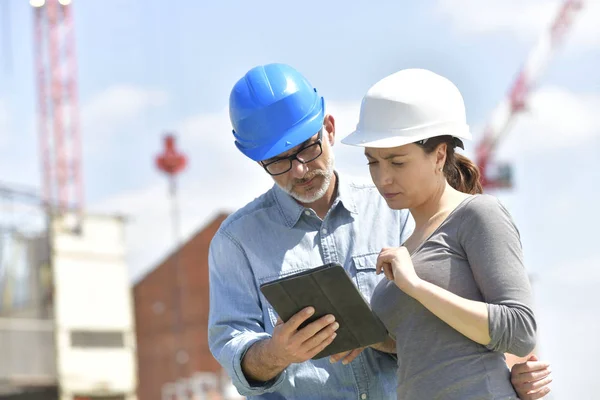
(219, 178)
(117, 105)
(525, 19)
(555, 118)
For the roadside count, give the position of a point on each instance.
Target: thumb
(533, 357)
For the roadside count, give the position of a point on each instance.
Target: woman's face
(406, 176)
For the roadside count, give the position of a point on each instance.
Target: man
(310, 217)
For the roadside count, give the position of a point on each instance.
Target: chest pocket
(365, 266)
(269, 313)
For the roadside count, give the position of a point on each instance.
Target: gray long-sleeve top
(475, 253)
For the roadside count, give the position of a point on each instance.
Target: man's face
(308, 182)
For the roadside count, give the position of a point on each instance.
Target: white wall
(92, 293)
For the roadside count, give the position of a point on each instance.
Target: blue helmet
(273, 108)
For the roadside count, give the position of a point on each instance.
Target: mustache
(309, 177)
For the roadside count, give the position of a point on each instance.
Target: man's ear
(329, 124)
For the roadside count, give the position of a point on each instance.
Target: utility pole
(172, 162)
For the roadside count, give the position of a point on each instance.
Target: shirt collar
(345, 195)
(291, 210)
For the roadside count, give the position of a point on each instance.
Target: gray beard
(327, 175)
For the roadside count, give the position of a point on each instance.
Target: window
(97, 339)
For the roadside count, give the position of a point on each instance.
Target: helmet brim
(401, 137)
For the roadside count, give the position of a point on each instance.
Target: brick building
(173, 355)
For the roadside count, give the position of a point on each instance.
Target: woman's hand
(397, 266)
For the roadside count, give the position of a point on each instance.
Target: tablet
(329, 290)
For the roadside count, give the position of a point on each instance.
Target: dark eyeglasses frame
(294, 156)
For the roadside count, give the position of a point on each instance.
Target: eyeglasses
(305, 155)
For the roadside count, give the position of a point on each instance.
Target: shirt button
(307, 212)
(363, 396)
(324, 231)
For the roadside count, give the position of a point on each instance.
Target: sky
(148, 66)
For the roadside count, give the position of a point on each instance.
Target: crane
(58, 109)
(504, 115)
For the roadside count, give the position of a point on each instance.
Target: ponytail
(460, 172)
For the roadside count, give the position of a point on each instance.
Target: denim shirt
(274, 236)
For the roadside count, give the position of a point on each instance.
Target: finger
(353, 354)
(337, 357)
(530, 366)
(313, 352)
(319, 337)
(313, 328)
(535, 386)
(537, 395)
(297, 319)
(279, 321)
(533, 357)
(382, 258)
(379, 264)
(531, 376)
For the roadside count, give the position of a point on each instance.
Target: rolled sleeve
(512, 329)
(493, 247)
(235, 316)
(252, 388)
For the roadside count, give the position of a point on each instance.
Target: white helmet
(409, 106)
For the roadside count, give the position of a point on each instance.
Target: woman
(457, 287)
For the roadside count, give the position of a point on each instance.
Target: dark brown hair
(462, 174)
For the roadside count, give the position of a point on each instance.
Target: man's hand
(290, 345)
(531, 379)
(387, 346)
(267, 358)
(347, 356)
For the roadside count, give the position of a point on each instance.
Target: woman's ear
(440, 155)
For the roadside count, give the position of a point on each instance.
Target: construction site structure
(497, 174)
(67, 328)
(66, 312)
